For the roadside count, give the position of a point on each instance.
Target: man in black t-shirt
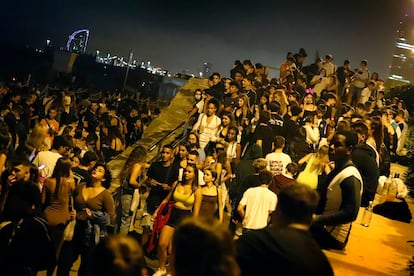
(81, 173)
(161, 175)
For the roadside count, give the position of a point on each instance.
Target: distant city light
(119, 61)
(78, 41)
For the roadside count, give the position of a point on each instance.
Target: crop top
(182, 201)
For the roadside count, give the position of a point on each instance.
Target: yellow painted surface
(380, 249)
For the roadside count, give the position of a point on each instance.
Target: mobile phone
(32, 156)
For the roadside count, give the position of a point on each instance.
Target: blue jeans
(356, 94)
(126, 201)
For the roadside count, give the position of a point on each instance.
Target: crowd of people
(289, 160)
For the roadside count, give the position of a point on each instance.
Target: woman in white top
(312, 130)
(208, 124)
(232, 146)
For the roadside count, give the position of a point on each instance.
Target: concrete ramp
(170, 117)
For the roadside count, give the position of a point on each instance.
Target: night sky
(181, 35)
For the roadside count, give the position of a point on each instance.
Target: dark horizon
(178, 35)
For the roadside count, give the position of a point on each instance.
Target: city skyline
(180, 36)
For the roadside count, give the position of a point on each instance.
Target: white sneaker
(160, 272)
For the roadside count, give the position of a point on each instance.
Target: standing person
(364, 157)
(312, 131)
(117, 143)
(231, 145)
(51, 124)
(131, 176)
(20, 170)
(160, 176)
(344, 74)
(192, 158)
(230, 102)
(208, 124)
(217, 89)
(194, 142)
(81, 173)
(243, 110)
(211, 203)
(25, 244)
(198, 107)
(180, 157)
(249, 179)
(359, 81)
(187, 198)
(60, 147)
(280, 181)
(286, 247)
(219, 162)
(56, 199)
(5, 146)
(136, 131)
(257, 204)
(329, 66)
(118, 255)
(263, 133)
(248, 90)
(278, 160)
(316, 166)
(331, 228)
(227, 120)
(95, 210)
(36, 142)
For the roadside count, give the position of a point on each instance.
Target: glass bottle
(367, 215)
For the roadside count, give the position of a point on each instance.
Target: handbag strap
(47, 122)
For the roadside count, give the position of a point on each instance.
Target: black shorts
(177, 215)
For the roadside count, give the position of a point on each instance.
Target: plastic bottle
(367, 215)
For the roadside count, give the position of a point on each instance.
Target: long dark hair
(108, 176)
(377, 131)
(114, 132)
(137, 155)
(62, 169)
(194, 184)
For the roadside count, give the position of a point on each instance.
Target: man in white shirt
(277, 160)
(367, 92)
(359, 81)
(46, 160)
(192, 158)
(329, 66)
(257, 204)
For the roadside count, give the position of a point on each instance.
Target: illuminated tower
(207, 68)
(402, 66)
(78, 41)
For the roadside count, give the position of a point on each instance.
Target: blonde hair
(37, 138)
(246, 107)
(321, 159)
(282, 99)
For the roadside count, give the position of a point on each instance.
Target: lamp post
(127, 70)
